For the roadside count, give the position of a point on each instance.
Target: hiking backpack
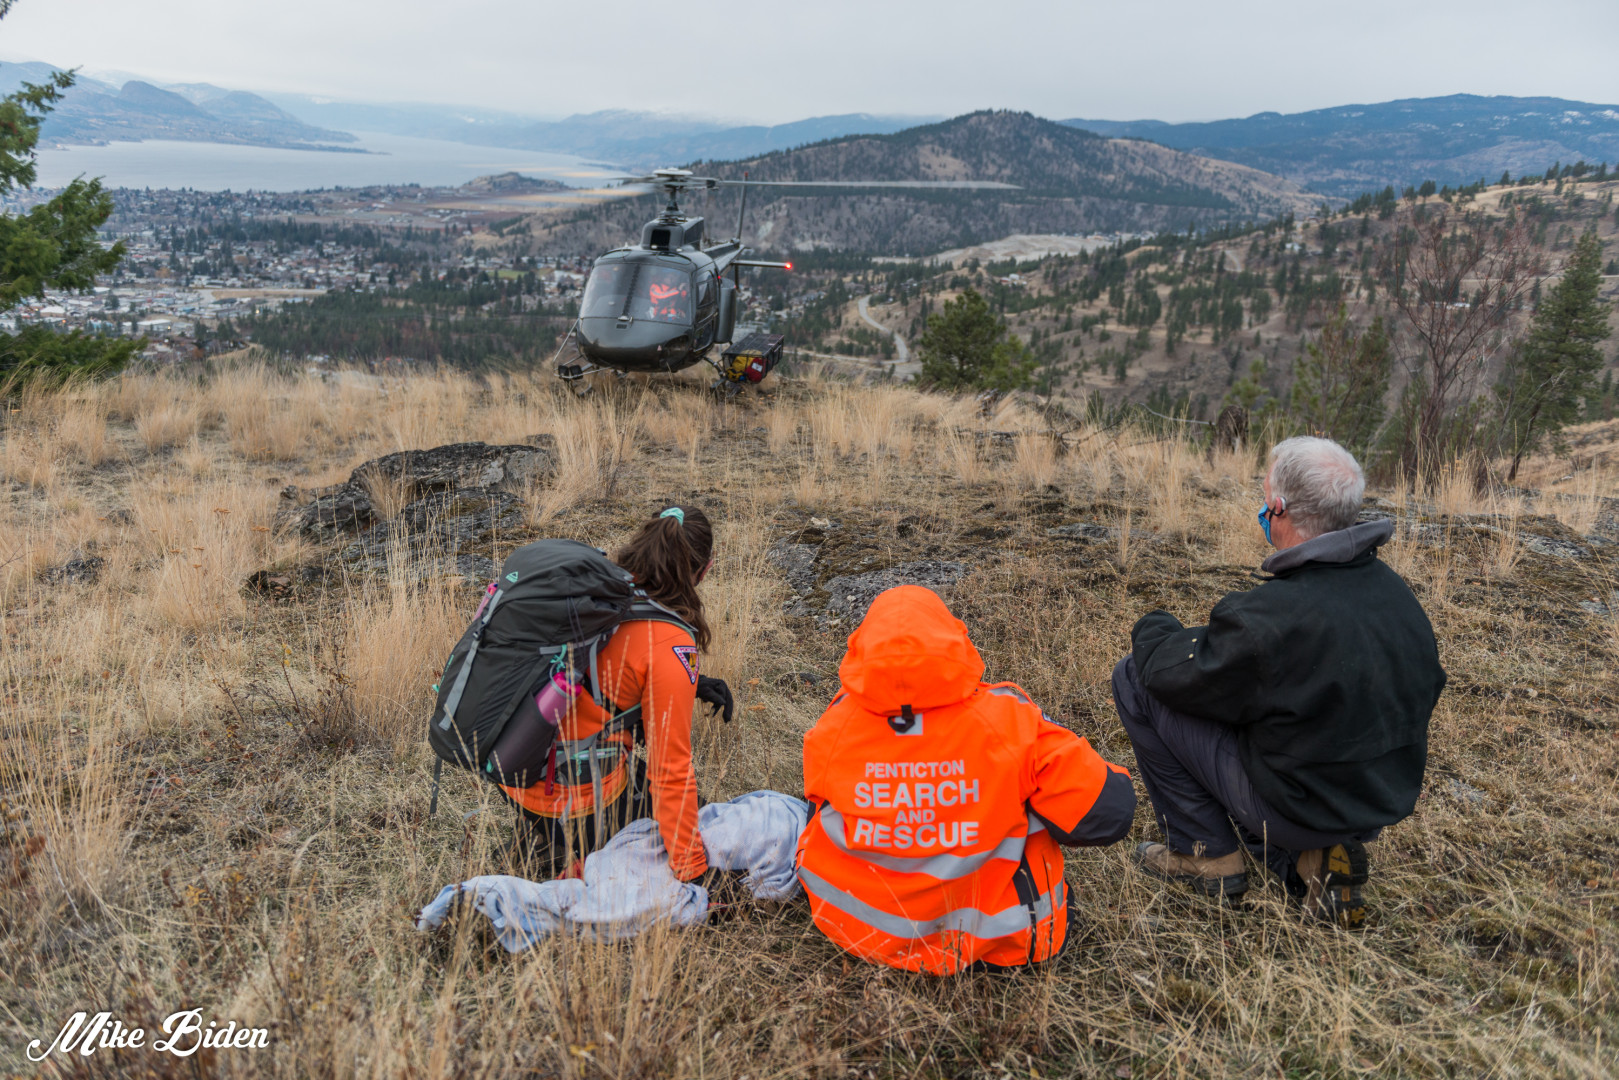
(555, 604)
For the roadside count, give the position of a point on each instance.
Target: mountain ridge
(1069, 181)
(92, 111)
(1348, 149)
(631, 138)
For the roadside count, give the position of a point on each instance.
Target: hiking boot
(527, 854)
(1222, 875)
(1332, 880)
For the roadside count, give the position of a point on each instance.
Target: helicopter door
(708, 309)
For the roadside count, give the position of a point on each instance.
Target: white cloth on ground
(627, 885)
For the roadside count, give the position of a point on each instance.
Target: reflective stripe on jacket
(935, 841)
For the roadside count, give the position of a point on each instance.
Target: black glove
(717, 694)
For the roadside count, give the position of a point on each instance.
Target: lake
(394, 159)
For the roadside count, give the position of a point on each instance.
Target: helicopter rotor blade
(686, 183)
(961, 185)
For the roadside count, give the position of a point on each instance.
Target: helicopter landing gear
(575, 372)
(574, 376)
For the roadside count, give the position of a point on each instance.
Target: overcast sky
(771, 61)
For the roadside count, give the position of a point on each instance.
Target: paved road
(901, 350)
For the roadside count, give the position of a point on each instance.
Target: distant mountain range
(1354, 148)
(96, 112)
(1069, 181)
(1340, 152)
(636, 140)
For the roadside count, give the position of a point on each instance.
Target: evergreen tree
(966, 347)
(53, 245)
(1553, 369)
(1342, 381)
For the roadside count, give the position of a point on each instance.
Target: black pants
(546, 846)
(1202, 797)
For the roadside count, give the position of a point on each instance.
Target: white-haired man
(1295, 723)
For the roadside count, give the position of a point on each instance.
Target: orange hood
(909, 650)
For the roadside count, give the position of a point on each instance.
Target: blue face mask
(1265, 516)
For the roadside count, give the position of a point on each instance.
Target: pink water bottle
(526, 750)
(557, 695)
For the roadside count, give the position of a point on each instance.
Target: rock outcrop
(409, 476)
(850, 596)
(448, 532)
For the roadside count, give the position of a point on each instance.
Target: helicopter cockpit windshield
(641, 290)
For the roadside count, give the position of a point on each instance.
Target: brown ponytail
(666, 556)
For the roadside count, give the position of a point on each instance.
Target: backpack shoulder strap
(646, 609)
(452, 701)
(642, 609)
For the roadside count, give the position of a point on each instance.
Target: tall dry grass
(220, 795)
(391, 647)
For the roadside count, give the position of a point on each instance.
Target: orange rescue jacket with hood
(938, 801)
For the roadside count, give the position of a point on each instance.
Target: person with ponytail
(653, 663)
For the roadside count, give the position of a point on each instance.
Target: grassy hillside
(214, 782)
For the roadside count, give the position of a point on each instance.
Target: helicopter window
(662, 294)
(607, 290)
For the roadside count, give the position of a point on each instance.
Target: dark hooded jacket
(1329, 671)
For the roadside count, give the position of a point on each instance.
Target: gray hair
(1321, 481)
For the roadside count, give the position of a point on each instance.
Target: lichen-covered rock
(797, 562)
(850, 596)
(285, 582)
(446, 532)
(1082, 530)
(350, 507)
(460, 465)
(1555, 546)
(1602, 610)
(83, 570)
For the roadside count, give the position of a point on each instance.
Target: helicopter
(664, 304)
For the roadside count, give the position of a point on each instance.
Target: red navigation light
(789, 266)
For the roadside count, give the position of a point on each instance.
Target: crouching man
(1299, 713)
(939, 801)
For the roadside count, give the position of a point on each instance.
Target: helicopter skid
(575, 372)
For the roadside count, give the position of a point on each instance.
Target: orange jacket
(654, 663)
(933, 845)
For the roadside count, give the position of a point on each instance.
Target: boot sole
(1345, 870)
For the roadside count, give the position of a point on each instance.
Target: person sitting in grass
(940, 802)
(1295, 723)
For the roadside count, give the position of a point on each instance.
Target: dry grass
(216, 799)
(391, 644)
